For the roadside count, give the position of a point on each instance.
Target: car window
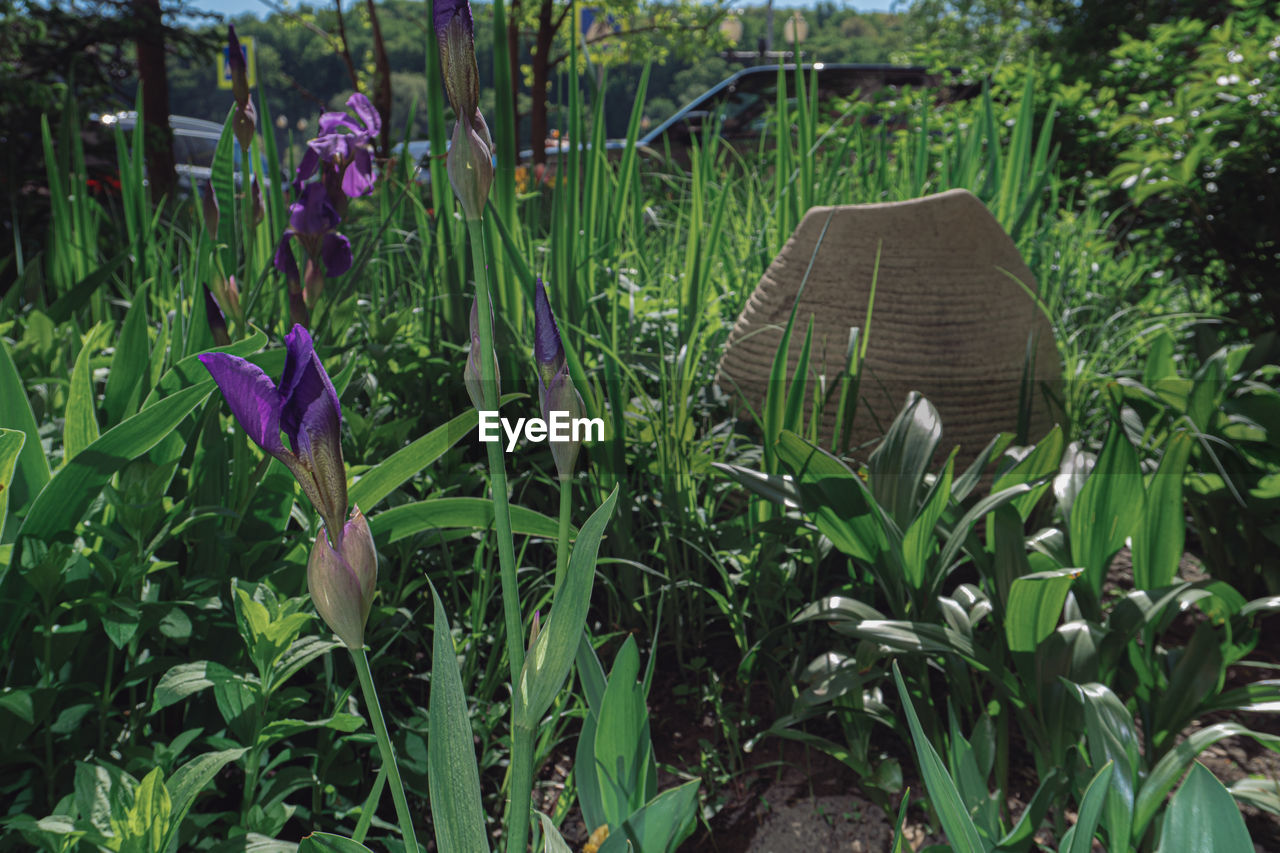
(194, 150)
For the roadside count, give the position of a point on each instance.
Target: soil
(783, 797)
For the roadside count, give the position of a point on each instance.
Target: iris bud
(342, 579)
(470, 164)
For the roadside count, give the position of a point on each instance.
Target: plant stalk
(521, 789)
(384, 746)
(497, 467)
(562, 548)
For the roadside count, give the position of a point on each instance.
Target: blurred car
(741, 102)
(194, 143)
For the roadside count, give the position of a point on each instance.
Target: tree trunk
(541, 71)
(153, 76)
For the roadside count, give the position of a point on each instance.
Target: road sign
(224, 63)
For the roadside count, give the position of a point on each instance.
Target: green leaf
(1095, 796)
(1107, 509)
(623, 752)
(130, 366)
(549, 660)
(33, 469)
(1203, 818)
(897, 467)
(1165, 774)
(1112, 737)
(11, 441)
(63, 503)
(659, 826)
(947, 801)
(453, 775)
(1158, 541)
(187, 781)
(841, 506)
(148, 821)
(1035, 606)
(186, 679)
(447, 513)
(1036, 465)
(327, 842)
(1198, 672)
(552, 840)
(381, 480)
(920, 537)
(80, 421)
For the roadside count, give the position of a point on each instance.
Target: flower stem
(384, 746)
(521, 780)
(497, 467)
(562, 548)
(521, 788)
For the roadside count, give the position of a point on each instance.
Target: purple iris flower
(341, 152)
(312, 219)
(305, 405)
(470, 158)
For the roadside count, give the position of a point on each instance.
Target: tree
(625, 29)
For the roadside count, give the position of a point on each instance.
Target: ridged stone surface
(951, 318)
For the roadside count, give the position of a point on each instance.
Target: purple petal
(306, 168)
(363, 108)
(548, 351)
(235, 54)
(312, 418)
(444, 10)
(330, 122)
(284, 260)
(336, 254)
(312, 213)
(331, 147)
(252, 396)
(357, 180)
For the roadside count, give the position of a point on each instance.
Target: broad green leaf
(549, 660)
(552, 841)
(453, 775)
(445, 513)
(1158, 541)
(1169, 769)
(62, 503)
(659, 826)
(1198, 672)
(146, 827)
(841, 506)
(381, 480)
(623, 752)
(1107, 509)
(11, 441)
(920, 538)
(897, 467)
(277, 729)
(327, 842)
(80, 422)
(585, 776)
(190, 779)
(1036, 465)
(1203, 818)
(1035, 606)
(33, 469)
(1091, 804)
(979, 510)
(947, 801)
(131, 364)
(1112, 737)
(185, 679)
